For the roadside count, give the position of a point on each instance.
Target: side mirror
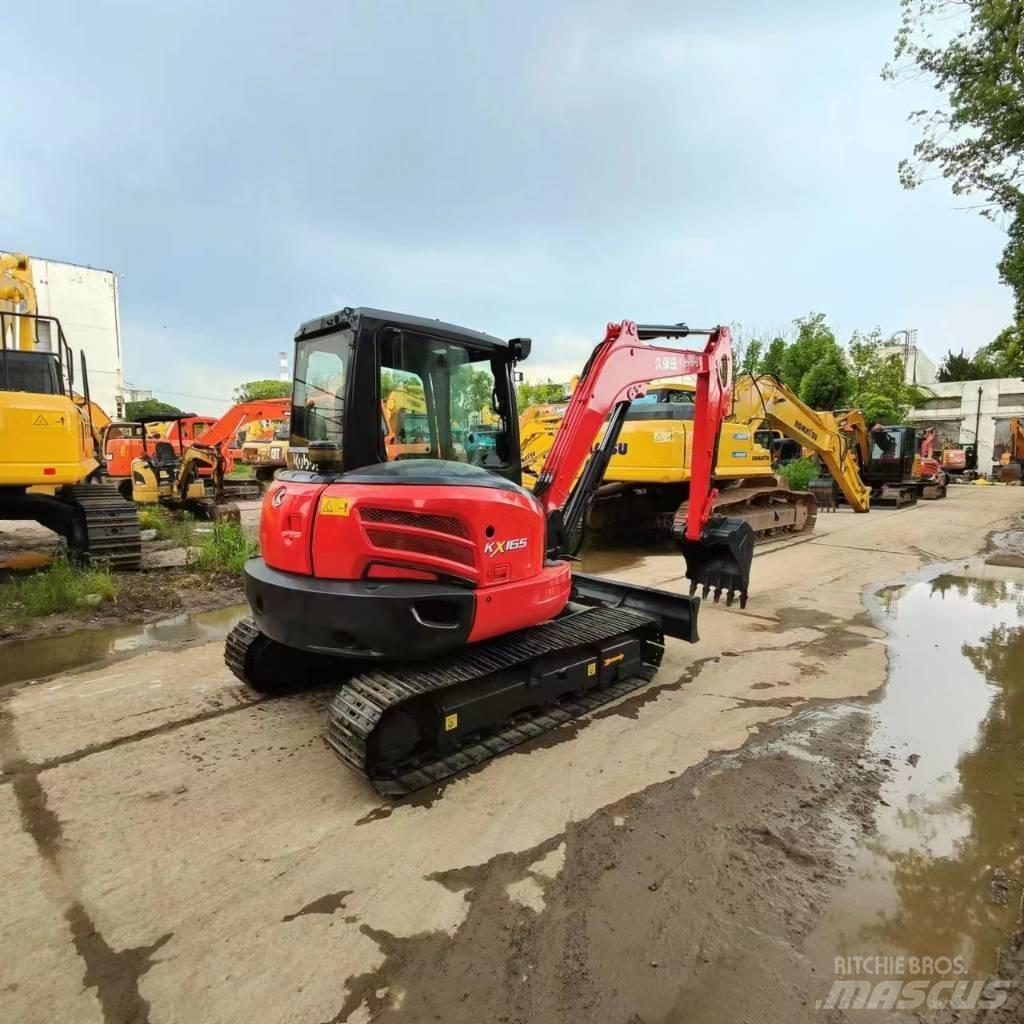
(520, 348)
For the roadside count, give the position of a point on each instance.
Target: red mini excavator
(434, 587)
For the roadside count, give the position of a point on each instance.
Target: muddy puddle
(942, 877)
(37, 657)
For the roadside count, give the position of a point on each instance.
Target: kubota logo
(503, 547)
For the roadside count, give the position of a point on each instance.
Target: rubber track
(112, 526)
(237, 646)
(357, 708)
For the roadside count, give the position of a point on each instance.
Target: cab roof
(364, 317)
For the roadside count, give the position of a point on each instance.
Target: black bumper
(406, 620)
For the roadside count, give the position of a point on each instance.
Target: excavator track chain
(111, 526)
(237, 647)
(772, 512)
(271, 668)
(389, 700)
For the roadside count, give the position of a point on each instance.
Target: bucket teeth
(719, 562)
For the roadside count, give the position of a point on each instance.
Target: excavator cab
(892, 455)
(373, 387)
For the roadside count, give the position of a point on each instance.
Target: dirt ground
(174, 848)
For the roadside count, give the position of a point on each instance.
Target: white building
(85, 301)
(917, 367)
(969, 411)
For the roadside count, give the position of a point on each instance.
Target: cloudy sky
(522, 168)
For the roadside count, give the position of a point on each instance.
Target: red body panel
(493, 539)
(508, 606)
(286, 526)
(443, 529)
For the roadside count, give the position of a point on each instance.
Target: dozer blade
(720, 561)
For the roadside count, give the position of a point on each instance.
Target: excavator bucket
(720, 561)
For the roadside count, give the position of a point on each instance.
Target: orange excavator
(195, 476)
(441, 595)
(124, 441)
(1011, 463)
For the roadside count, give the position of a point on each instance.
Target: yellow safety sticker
(614, 658)
(663, 436)
(40, 421)
(592, 669)
(451, 722)
(335, 506)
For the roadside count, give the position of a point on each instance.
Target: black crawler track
(357, 712)
(107, 526)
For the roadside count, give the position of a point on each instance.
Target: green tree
(471, 392)
(813, 364)
(877, 382)
(973, 52)
(752, 355)
(826, 384)
(149, 407)
(537, 394)
(259, 390)
(1004, 356)
(774, 358)
(956, 366)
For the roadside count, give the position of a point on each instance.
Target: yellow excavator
(50, 466)
(839, 440)
(646, 485)
(880, 464)
(268, 456)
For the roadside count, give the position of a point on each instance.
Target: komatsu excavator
(879, 464)
(447, 588)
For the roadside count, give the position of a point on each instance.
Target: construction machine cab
(892, 454)
(36, 373)
(350, 364)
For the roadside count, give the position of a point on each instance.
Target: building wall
(954, 412)
(85, 300)
(918, 368)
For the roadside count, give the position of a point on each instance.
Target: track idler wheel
(720, 561)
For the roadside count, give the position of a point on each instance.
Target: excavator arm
(837, 440)
(220, 433)
(718, 551)
(16, 287)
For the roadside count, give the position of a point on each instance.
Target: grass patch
(799, 474)
(168, 526)
(60, 587)
(226, 548)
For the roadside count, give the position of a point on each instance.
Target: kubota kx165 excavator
(447, 586)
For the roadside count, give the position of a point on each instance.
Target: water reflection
(943, 875)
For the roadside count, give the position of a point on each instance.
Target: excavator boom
(835, 439)
(718, 551)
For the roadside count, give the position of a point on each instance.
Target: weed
(799, 474)
(168, 526)
(58, 588)
(226, 547)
